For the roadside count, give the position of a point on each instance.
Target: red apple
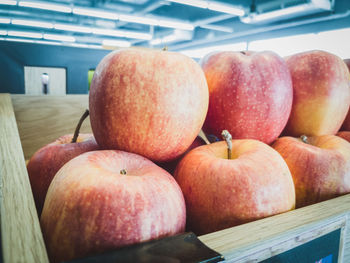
(221, 192)
(148, 102)
(104, 200)
(346, 123)
(344, 134)
(46, 162)
(320, 166)
(250, 94)
(321, 93)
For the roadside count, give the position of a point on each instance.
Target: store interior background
(70, 37)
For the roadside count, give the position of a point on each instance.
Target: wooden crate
(29, 122)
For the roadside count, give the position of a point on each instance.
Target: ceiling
(177, 24)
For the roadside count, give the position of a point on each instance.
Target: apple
(320, 166)
(222, 191)
(346, 123)
(46, 162)
(344, 134)
(103, 200)
(250, 94)
(148, 102)
(321, 93)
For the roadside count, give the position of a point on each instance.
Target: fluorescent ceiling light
(226, 9)
(95, 46)
(289, 12)
(116, 43)
(32, 23)
(48, 42)
(95, 13)
(139, 20)
(177, 35)
(46, 6)
(136, 35)
(8, 2)
(24, 34)
(80, 29)
(196, 3)
(79, 45)
(121, 33)
(5, 20)
(108, 32)
(175, 24)
(3, 32)
(59, 37)
(19, 40)
(215, 6)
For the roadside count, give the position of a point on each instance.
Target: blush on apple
(148, 102)
(103, 200)
(223, 189)
(346, 123)
(344, 134)
(321, 93)
(46, 162)
(250, 94)
(320, 166)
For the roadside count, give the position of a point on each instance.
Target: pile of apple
(103, 191)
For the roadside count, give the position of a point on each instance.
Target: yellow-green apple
(107, 199)
(148, 102)
(344, 134)
(321, 93)
(320, 166)
(222, 191)
(346, 123)
(250, 94)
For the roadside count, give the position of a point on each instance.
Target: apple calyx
(77, 129)
(228, 138)
(304, 139)
(123, 171)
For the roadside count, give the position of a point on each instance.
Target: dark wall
(77, 61)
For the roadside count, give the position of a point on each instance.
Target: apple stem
(228, 138)
(77, 129)
(304, 139)
(123, 171)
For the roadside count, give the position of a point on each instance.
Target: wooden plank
(21, 236)
(42, 119)
(256, 241)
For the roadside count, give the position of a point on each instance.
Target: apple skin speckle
(250, 96)
(321, 97)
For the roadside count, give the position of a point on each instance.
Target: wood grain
(42, 119)
(21, 236)
(259, 240)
